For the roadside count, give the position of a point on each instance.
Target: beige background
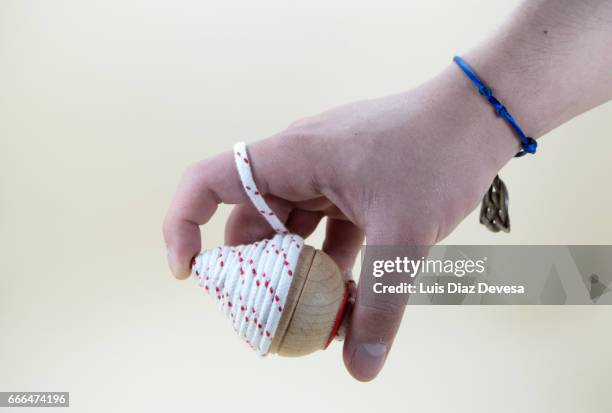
(102, 106)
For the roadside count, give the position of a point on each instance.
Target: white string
(251, 282)
(243, 165)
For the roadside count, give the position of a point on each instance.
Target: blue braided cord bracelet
(528, 144)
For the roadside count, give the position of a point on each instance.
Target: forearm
(550, 62)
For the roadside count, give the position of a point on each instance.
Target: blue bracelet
(528, 145)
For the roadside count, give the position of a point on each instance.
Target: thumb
(376, 316)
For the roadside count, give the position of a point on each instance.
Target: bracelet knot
(528, 144)
(485, 91)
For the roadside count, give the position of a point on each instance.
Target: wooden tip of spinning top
(313, 306)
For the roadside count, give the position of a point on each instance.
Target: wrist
(544, 67)
(483, 136)
(549, 63)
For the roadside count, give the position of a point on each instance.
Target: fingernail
(368, 360)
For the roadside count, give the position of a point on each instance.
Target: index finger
(278, 168)
(203, 187)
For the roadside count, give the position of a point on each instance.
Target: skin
(406, 169)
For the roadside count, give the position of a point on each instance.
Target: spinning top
(314, 307)
(280, 295)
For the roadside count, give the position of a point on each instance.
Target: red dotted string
(248, 281)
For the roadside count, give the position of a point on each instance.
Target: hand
(385, 168)
(404, 169)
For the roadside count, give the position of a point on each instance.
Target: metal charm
(494, 211)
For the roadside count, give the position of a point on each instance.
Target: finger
(245, 224)
(303, 223)
(375, 318)
(279, 167)
(284, 166)
(343, 241)
(371, 330)
(203, 186)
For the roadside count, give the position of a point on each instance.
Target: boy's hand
(385, 168)
(406, 169)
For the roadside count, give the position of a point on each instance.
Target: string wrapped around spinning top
(280, 295)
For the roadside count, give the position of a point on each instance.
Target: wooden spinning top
(314, 306)
(306, 286)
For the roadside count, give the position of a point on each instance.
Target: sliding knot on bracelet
(485, 91)
(528, 144)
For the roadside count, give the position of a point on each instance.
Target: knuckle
(298, 141)
(193, 170)
(306, 150)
